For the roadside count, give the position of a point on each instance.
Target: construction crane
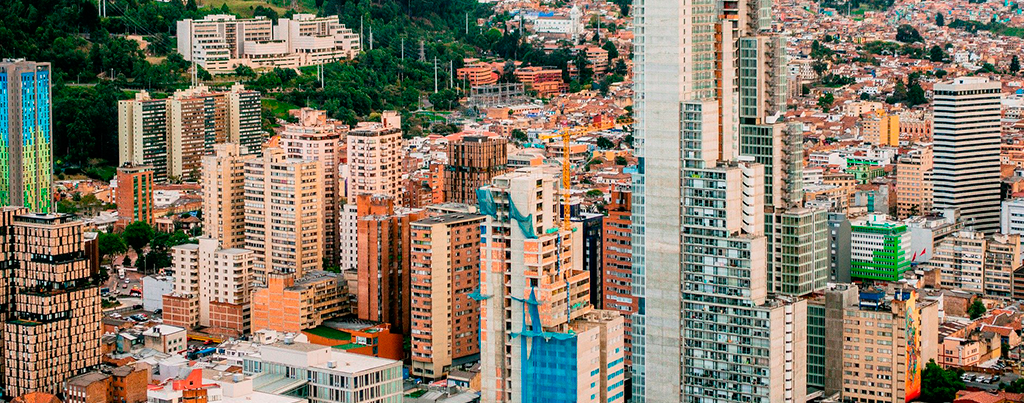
(567, 135)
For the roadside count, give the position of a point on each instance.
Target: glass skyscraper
(26, 147)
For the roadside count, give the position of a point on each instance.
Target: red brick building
(134, 196)
(616, 290)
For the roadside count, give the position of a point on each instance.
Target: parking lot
(986, 381)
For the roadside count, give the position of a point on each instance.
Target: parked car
(995, 378)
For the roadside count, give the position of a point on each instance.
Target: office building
(472, 162)
(26, 152)
(970, 261)
(172, 135)
(383, 261)
(880, 128)
(293, 304)
(967, 138)
(134, 194)
(1011, 217)
(914, 183)
(445, 272)
(313, 138)
(284, 214)
(876, 343)
(592, 226)
(52, 327)
(219, 43)
(328, 374)
(223, 186)
(212, 288)
(536, 343)
(375, 158)
(879, 249)
(800, 258)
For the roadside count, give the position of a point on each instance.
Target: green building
(880, 249)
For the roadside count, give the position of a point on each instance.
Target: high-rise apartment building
(284, 214)
(290, 304)
(313, 138)
(879, 249)
(383, 261)
(221, 42)
(973, 262)
(967, 137)
(52, 307)
(223, 186)
(212, 288)
(172, 135)
(616, 260)
(26, 127)
(472, 162)
(374, 152)
(445, 272)
(142, 133)
(914, 183)
(134, 195)
(537, 342)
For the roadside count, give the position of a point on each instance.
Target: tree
(819, 67)
(939, 385)
(976, 310)
(939, 19)
(936, 54)
(1014, 65)
(110, 244)
(244, 71)
(137, 235)
(908, 34)
(594, 193)
(604, 143)
(1017, 386)
(613, 52)
(825, 101)
(519, 135)
(620, 160)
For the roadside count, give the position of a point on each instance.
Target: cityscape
(511, 201)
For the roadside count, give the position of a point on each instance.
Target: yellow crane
(567, 135)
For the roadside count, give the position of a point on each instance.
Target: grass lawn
(245, 8)
(280, 109)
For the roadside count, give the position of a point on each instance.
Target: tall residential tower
(26, 146)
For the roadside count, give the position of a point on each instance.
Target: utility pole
(451, 73)
(423, 53)
(435, 74)
(467, 24)
(361, 37)
(371, 37)
(403, 48)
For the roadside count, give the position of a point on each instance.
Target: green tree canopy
(908, 34)
(939, 385)
(110, 245)
(604, 143)
(137, 235)
(940, 20)
(976, 310)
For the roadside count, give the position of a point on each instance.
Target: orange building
(477, 73)
(358, 337)
(288, 304)
(472, 161)
(382, 266)
(445, 256)
(134, 197)
(616, 290)
(546, 81)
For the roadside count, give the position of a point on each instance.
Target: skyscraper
(445, 256)
(700, 263)
(223, 184)
(52, 331)
(26, 147)
(313, 138)
(967, 136)
(284, 214)
(375, 158)
(541, 340)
